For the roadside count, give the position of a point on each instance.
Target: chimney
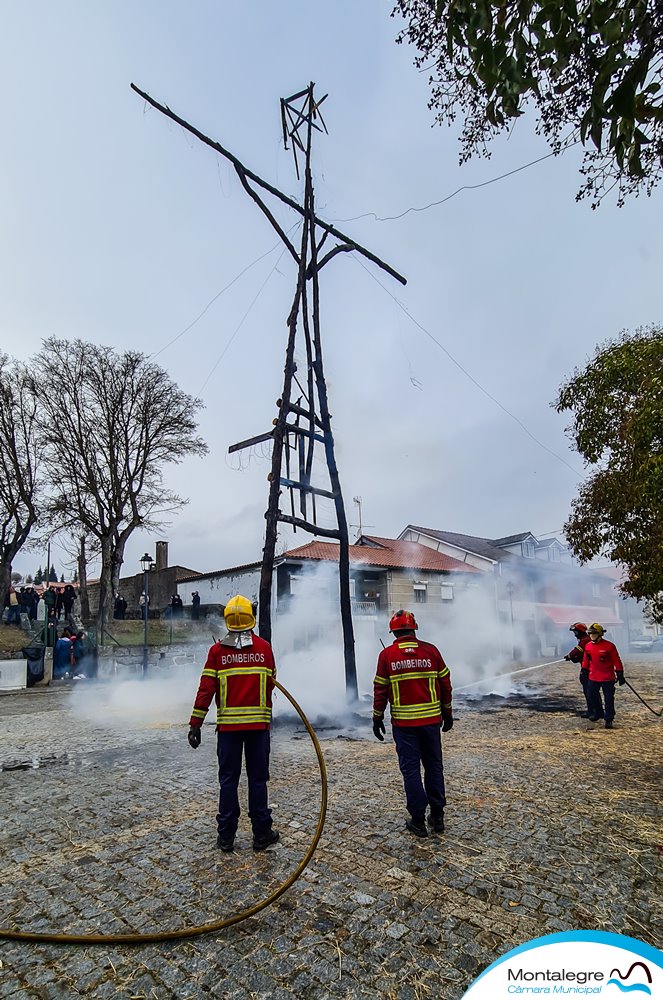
(162, 555)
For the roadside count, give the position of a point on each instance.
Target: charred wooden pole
(312, 422)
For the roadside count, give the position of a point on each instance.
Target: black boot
(226, 844)
(265, 840)
(417, 826)
(436, 822)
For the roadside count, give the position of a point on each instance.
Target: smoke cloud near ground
(308, 648)
(308, 644)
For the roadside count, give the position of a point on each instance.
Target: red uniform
(241, 681)
(602, 660)
(412, 676)
(577, 653)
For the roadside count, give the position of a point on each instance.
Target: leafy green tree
(593, 70)
(617, 427)
(39, 577)
(52, 576)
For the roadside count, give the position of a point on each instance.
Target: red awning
(568, 614)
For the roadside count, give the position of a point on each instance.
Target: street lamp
(146, 564)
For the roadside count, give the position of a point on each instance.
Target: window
(596, 590)
(447, 592)
(528, 550)
(420, 593)
(554, 553)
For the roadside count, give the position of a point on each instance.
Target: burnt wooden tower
(303, 420)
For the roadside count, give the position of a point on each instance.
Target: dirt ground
(552, 824)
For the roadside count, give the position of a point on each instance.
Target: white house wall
(218, 589)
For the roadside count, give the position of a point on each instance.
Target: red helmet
(578, 627)
(402, 620)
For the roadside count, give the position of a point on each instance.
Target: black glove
(194, 737)
(567, 658)
(378, 730)
(447, 723)
(620, 677)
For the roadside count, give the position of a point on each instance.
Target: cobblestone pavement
(552, 824)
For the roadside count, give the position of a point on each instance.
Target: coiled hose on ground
(214, 925)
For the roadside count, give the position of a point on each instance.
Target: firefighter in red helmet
(576, 655)
(414, 679)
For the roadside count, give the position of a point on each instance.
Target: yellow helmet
(238, 614)
(595, 627)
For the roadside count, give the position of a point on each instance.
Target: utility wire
(465, 187)
(219, 294)
(467, 373)
(241, 322)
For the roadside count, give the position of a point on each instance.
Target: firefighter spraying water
(576, 655)
(414, 679)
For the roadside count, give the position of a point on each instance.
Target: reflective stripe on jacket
(241, 682)
(414, 679)
(577, 653)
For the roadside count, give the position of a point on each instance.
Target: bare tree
(112, 422)
(20, 461)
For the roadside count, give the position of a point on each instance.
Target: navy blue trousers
(596, 709)
(584, 680)
(254, 744)
(419, 746)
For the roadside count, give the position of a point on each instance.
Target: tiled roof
(511, 539)
(472, 543)
(387, 552)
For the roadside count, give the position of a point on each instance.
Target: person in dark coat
(68, 599)
(119, 608)
(195, 606)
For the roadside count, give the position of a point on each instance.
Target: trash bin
(35, 657)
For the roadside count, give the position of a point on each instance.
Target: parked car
(647, 644)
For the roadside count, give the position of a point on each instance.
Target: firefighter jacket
(577, 653)
(412, 676)
(602, 659)
(241, 681)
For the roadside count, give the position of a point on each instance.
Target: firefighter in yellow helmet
(239, 674)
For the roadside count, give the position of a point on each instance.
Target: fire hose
(214, 925)
(524, 670)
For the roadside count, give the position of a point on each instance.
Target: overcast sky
(119, 228)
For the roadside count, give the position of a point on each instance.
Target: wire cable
(241, 322)
(465, 187)
(219, 294)
(467, 373)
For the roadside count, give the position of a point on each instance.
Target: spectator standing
(68, 599)
(11, 603)
(144, 604)
(119, 608)
(195, 606)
